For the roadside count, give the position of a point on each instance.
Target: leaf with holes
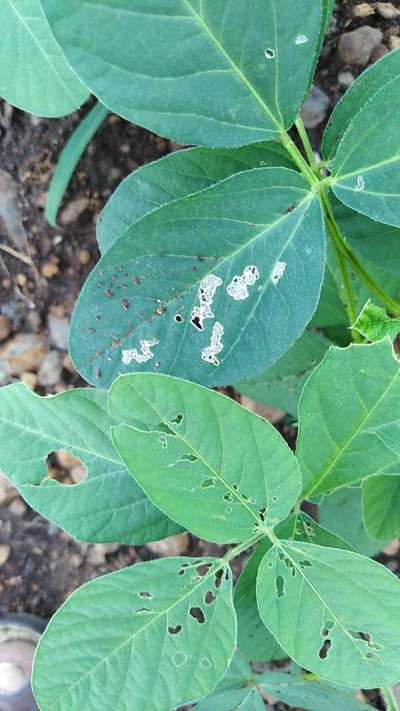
(177, 175)
(210, 72)
(34, 75)
(214, 287)
(214, 467)
(381, 507)
(309, 693)
(280, 386)
(341, 513)
(349, 418)
(335, 612)
(179, 608)
(253, 637)
(365, 169)
(107, 506)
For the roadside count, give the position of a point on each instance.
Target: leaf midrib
(237, 70)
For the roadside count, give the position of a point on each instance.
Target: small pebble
(387, 10)
(29, 379)
(24, 352)
(174, 545)
(17, 507)
(379, 52)
(49, 270)
(363, 10)
(74, 210)
(50, 369)
(345, 78)
(4, 553)
(394, 42)
(315, 108)
(5, 327)
(58, 331)
(356, 47)
(84, 257)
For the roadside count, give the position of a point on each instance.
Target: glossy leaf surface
(210, 72)
(34, 74)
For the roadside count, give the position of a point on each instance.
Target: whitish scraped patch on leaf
(166, 280)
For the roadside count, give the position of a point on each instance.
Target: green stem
(307, 146)
(348, 287)
(301, 163)
(237, 550)
(351, 258)
(389, 700)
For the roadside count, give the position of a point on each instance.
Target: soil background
(41, 272)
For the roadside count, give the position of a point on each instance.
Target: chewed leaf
(158, 606)
(34, 74)
(177, 175)
(253, 637)
(207, 73)
(213, 466)
(349, 418)
(365, 169)
(335, 612)
(107, 506)
(214, 287)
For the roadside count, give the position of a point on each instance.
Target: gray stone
(315, 108)
(50, 370)
(58, 332)
(356, 47)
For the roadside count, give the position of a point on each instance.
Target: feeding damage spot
(237, 289)
(198, 614)
(269, 53)
(278, 272)
(360, 186)
(143, 356)
(209, 354)
(301, 39)
(206, 293)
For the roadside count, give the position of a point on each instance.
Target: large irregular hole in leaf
(65, 468)
(324, 649)
(198, 614)
(280, 584)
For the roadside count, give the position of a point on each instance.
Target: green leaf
(335, 612)
(378, 243)
(215, 467)
(331, 311)
(365, 168)
(241, 700)
(107, 506)
(349, 418)
(69, 159)
(381, 507)
(248, 252)
(176, 176)
(153, 636)
(222, 73)
(34, 75)
(374, 323)
(341, 512)
(253, 637)
(239, 674)
(309, 693)
(280, 386)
